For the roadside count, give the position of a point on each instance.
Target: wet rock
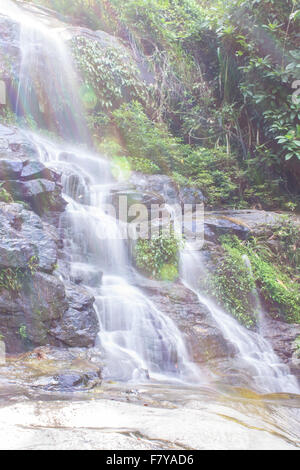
(190, 195)
(43, 195)
(15, 253)
(36, 170)
(10, 169)
(159, 184)
(34, 237)
(203, 337)
(26, 315)
(79, 325)
(53, 369)
(69, 382)
(282, 337)
(221, 223)
(239, 222)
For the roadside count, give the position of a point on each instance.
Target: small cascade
(47, 92)
(256, 355)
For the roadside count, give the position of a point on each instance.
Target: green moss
(158, 257)
(232, 286)
(5, 196)
(279, 291)
(276, 273)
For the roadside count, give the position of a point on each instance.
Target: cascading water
(255, 353)
(47, 90)
(137, 339)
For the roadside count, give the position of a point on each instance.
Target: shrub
(232, 286)
(276, 277)
(158, 257)
(144, 138)
(109, 75)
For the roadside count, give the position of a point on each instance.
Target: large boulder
(42, 313)
(283, 338)
(203, 336)
(239, 222)
(43, 195)
(32, 170)
(79, 324)
(10, 169)
(161, 185)
(25, 235)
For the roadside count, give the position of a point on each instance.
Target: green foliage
(12, 279)
(23, 332)
(232, 286)
(276, 273)
(215, 172)
(5, 196)
(109, 74)
(278, 289)
(158, 257)
(86, 12)
(117, 153)
(145, 139)
(144, 165)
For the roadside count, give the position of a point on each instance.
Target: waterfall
(255, 353)
(138, 341)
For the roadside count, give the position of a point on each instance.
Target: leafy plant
(232, 286)
(158, 257)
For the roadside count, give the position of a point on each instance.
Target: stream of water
(138, 341)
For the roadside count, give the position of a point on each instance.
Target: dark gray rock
(219, 223)
(36, 170)
(43, 195)
(161, 185)
(15, 253)
(10, 169)
(26, 316)
(191, 195)
(239, 222)
(203, 336)
(79, 325)
(282, 337)
(25, 229)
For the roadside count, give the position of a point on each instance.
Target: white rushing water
(255, 353)
(138, 341)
